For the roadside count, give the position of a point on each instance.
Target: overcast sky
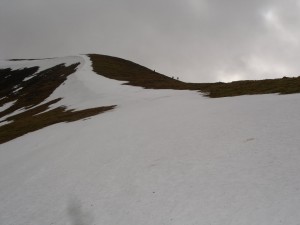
(196, 40)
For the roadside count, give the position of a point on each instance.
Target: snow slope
(160, 157)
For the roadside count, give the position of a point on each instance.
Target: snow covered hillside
(153, 157)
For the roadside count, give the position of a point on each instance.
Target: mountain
(94, 139)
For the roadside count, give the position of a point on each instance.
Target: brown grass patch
(137, 75)
(29, 121)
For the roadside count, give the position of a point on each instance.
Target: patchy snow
(4, 123)
(43, 64)
(17, 90)
(28, 78)
(6, 106)
(16, 112)
(160, 157)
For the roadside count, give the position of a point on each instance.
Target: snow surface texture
(160, 157)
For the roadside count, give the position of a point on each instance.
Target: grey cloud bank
(198, 41)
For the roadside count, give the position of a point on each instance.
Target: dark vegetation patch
(134, 74)
(31, 95)
(28, 121)
(251, 87)
(137, 75)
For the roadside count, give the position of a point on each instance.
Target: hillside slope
(27, 86)
(159, 157)
(134, 74)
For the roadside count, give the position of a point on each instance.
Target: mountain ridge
(137, 75)
(26, 84)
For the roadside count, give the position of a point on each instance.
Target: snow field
(160, 157)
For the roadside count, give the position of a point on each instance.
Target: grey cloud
(197, 40)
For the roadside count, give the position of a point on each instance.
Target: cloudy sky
(196, 40)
